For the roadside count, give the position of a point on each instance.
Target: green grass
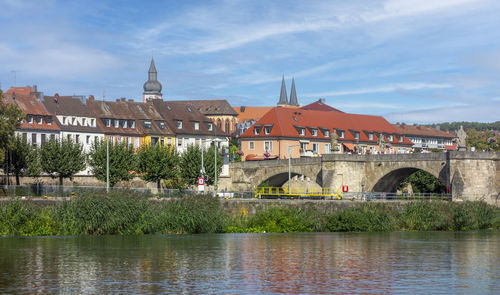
(128, 214)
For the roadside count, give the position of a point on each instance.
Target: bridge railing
(376, 196)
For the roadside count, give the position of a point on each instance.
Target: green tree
(11, 116)
(191, 164)
(483, 140)
(25, 160)
(122, 162)
(62, 158)
(233, 153)
(424, 182)
(156, 163)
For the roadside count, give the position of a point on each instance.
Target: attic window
(131, 123)
(356, 135)
(256, 130)
(295, 119)
(326, 133)
(123, 123)
(30, 119)
(107, 122)
(400, 138)
(210, 126)
(189, 109)
(117, 123)
(92, 122)
(64, 121)
(314, 132)
(196, 126)
(147, 124)
(48, 120)
(390, 138)
(341, 133)
(370, 136)
(267, 130)
(73, 121)
(169, 108)
(162, 125)
(302, 131)
(84, 122)
(179, 124)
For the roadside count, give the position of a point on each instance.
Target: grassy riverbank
(100, 214)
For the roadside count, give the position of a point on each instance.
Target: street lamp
(289, 149)
(216, 140)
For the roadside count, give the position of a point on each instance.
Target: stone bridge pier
(468, 175)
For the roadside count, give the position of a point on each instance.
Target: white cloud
(381, 89)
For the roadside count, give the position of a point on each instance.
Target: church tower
(152, 88)
(283, 97)
(293, 95)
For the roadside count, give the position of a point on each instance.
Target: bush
(422, 215)
(368, 217)
(25, 219)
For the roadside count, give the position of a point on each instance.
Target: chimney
(242, 109)
(35, 88)
(123, 99)
(130, 100)
(321, 100)
(56, 97)
(91, 97)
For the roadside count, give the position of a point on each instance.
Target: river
(374, 263)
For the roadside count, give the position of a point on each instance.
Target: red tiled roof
(319, 105)
(423, 131)
(251, 113)
(284, 122)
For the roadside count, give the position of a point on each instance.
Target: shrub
(368, 217)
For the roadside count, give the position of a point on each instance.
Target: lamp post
(107, 166)
(289, 149)
(215, 165)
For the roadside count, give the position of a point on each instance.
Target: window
(314, 132)
(129, 140)
(33, 138)
(180, 142)
(256, 130)
(162, 125)
(251, 145)
(356, 135)
(77, 137)
(372, 150)
(131, 123)
(116, 123)
(179, 124)
(39, 120)
(268, 146)
(390, 138)
(327, 133)
(30, 119)
(73, 120)
(92, 122)
(370, 136)
(169, 141)
(107, 122)
(43, 139)
(123, 123)
(400, 138)
(196, 126)
(315, 148)
(84, 122)
(136, 142)
(341, 133)
(210, 126)
(267, 130)
(64, 121)
(303, 146)
(147, 124)
(302, 131)
(87, 141)
(328, 148)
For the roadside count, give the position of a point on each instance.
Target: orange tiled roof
(320, 105)
(251, 113)
(423, 131)
(285, 122)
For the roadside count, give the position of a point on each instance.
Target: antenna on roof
(15, 77)
(103, 94)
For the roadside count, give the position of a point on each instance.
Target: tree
(122, 162)
(191, 164)
(483, 140)
(10, 119)
(62, 158)
(25, 160)
(424, 182)
(156, 163)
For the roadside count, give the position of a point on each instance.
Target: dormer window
(107, 122)
(341, 133)
(117, 123)
(179, 124)
(162, 125)
(210, 126)
(356, 135)
(84, 122)
(370, 136)
(327, 133)
(256, 130)
(92, 122)
(267, 130)
(196, 126)
(64, 121)
(314, 132)
(30, 119)
(400, 138)
(131, 124)
(73, 120)
(390, 138)
(39, 120)
(147, 124)
(48, 120)
(123, 123)
(302, 131)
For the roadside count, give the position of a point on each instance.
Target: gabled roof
(173, 111)
(147, 112)
(287, 122)
(251, 113)
(212, 107)
(423, 131)
(69, 106)
(320, 105)
(114, 110)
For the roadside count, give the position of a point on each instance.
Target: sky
(413, 61)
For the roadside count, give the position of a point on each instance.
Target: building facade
(219, 111)
(427, 138)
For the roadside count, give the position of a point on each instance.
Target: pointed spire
(152, 67)
(293, 95)
(283, 96)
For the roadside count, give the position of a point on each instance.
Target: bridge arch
(281, 178)
(390, 181)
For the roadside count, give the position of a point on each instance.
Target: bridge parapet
(385, 157)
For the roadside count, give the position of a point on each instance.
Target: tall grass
(126, 214)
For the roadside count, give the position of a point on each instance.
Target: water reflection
(422, 262)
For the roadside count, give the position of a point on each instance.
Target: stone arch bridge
(469, 175)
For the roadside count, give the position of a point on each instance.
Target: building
(117, 121)
(219, 111)
(153, 126)
(39, 125)
(308, 133)
(152, 88)
(427, 138)
(74, 119)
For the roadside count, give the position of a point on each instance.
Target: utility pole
(107, 166)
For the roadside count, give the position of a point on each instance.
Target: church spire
(283, 97)
(152, 88)
(293, 95)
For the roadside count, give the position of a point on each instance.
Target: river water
(374, 263)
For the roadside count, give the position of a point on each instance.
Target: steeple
(283, 97)
(152, 88)
(293, 95)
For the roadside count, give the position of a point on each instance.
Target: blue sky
(410, 61)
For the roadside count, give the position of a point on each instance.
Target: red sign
(345, 188)
(201, 181)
